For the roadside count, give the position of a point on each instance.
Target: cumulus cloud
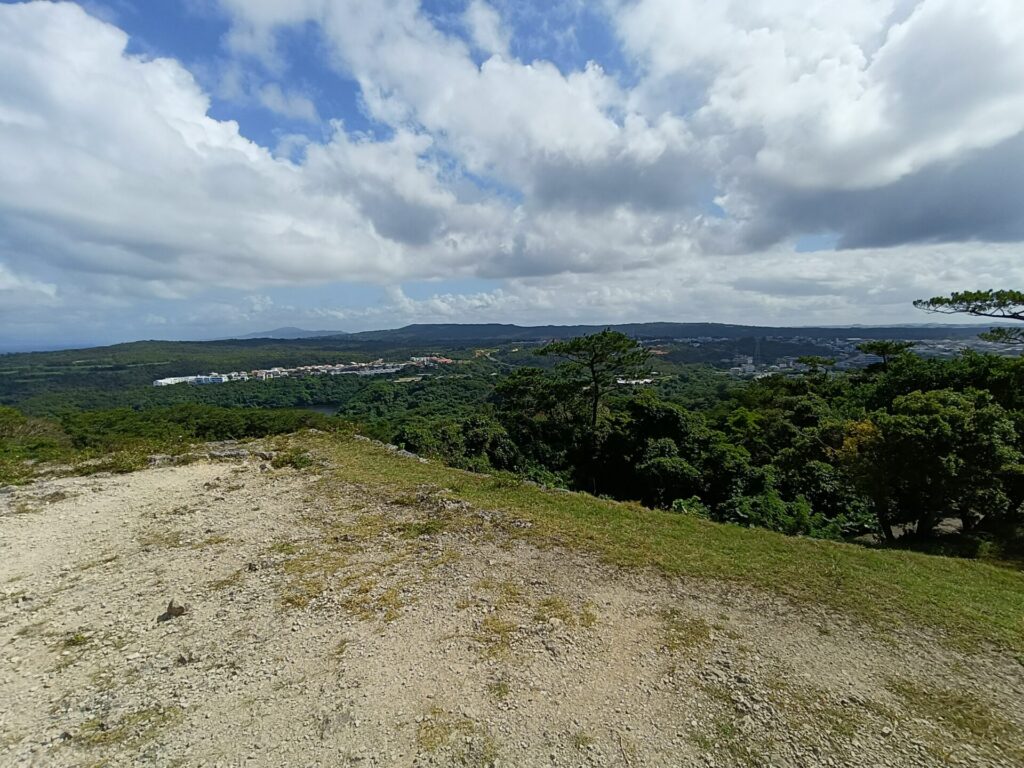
(486, 29)
(288, 103)
(111, 164)
(837, 114)
(674, 183)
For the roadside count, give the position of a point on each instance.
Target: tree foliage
(597, 361)
(901, 449)
(1002, 304)
(885, 348)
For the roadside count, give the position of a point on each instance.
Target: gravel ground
(317, 623)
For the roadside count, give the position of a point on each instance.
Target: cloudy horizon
(203, 168)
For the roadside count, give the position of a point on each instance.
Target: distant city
(375, 368)
(844, 352)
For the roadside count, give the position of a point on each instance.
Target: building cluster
(376, 368)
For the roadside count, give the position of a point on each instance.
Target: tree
(596, 361)
(937, 454)
(816, 362)
(886, 349)
(1003, 305)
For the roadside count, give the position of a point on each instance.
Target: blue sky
(196, 168)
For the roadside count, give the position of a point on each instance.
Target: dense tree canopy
(905, 449)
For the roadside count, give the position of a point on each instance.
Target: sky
(202, 168)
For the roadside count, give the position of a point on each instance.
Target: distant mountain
(499, 333)
(290, 333)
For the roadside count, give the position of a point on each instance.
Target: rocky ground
(317, 623)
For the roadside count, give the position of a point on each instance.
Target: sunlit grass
(971, 603)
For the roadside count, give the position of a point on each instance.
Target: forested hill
(496, 332)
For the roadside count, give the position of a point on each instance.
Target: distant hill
(496, 332)
(289, 332)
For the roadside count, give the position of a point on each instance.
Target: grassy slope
(970, 603)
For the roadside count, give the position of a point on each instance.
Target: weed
(35, 629)
(499, 689)
(294, 458)
(554, 608)
(212, 541)
(90, 564)
(284, 548)
(160, 538)
(76, 640)
(495, 634)
(507, 592)
(681, 632)
(391, 603)
(470, 744)
(132, 730)
(415, 530)
(582, 740)
(439, 727)
(231, 580)
(966, 714)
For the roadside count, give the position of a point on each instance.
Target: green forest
(912, 452)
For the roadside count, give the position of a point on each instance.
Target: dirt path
(330, 625)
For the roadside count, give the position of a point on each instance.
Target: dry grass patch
(681, 632)
(495, 635)
(130, 731)
(468, 742)
(162, 538)
(957, 717)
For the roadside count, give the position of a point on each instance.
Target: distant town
(844, 352)
(375, 368)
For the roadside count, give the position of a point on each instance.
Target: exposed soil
(332, 625)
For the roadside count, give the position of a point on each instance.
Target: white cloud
(486, 29)
(11, 282)
(894, 124)
(111, 165)
(288, 103)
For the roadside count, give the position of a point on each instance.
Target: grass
(76, 640)
(507, 593)
(308, 575)
(439, 728)
(495, 635)
(132, 730)
(97, 563)
(71, 649)
(970, 603)
(729, 742)
(158, 538)
(470, 744)
(233, 579)
(499, 689)
(582, 740)
(294, 458)
(681, 632)
(960, 717)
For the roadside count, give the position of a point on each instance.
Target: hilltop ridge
(343, 602)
